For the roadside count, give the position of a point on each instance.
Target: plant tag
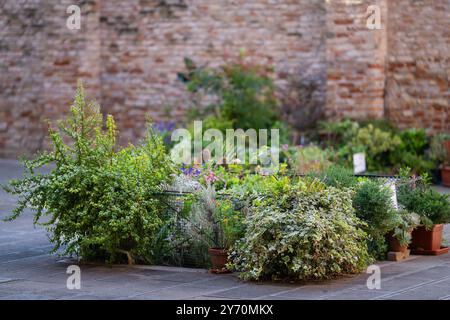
(359, 163)
(391, 185)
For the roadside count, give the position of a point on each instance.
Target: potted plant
(440, 154)
(433, 209)
(399, 238)
(207, 225)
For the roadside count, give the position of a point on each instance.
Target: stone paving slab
(28, 271)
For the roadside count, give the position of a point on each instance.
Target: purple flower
(190, 171)
(164, 126)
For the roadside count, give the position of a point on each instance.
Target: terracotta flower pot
(394, 244)
(428, 242)
(219, 259)
(445, 174)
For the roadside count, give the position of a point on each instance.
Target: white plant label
(359, 163)
(391, 185)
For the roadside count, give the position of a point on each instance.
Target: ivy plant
(303, 231)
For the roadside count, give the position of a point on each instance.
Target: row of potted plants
(433, 208)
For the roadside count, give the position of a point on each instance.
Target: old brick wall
(21, 99)
(128, 54)
(418, 70)
(355, 60)
(143, 49)
(40, 62)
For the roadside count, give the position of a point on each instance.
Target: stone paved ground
(27, 271)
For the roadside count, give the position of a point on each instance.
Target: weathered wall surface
(128, 54)
(418, 69)
(143, 48)
(355, 60)
(40, 62)
(21, 99)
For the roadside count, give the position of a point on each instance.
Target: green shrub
(306, 232)
(373, 205)
(387, 149)
(100, 203)
(337, 176)
(304, 160)
(437, 153)
(375, 138)
(338, 133)
(418, 196)
(234, 96)
(377, 144)
(411, 152)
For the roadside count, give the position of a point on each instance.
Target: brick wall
(128, 54)
(21, 99)
(40, 62)
(355, 60)
(418, 69)
(143, 48)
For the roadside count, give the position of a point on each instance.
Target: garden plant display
(312, 219)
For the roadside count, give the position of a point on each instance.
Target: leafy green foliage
(338, 133)
(377, 144)
(418, 196)
(301, 231)
(348, 137)
(387, 149)
(437, 152)
(406, 222)
(234, 96)
(337, 176)
(304, 160)
(100, 203)
(373, 204)
(411, 151)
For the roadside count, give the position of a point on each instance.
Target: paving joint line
(181, 285)
(407, 289)
(353, 287)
